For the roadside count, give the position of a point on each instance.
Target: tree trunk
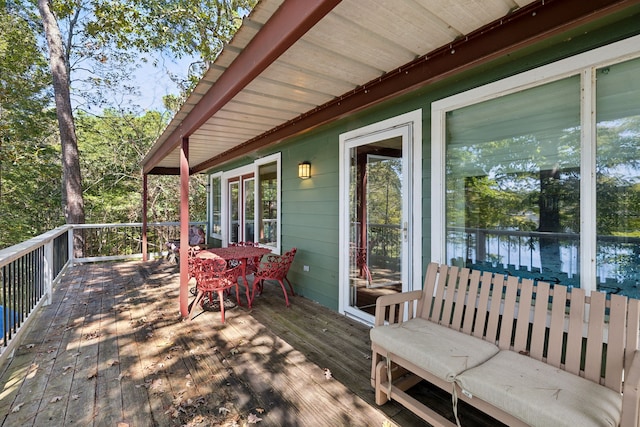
(72, 201)
(549, 204)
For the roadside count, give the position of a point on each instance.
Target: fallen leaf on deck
(33, 370)
(260, 410)
(234, 351)
(75, 396)
(327, 373)
(113, 362)
(17, 407)
(92, 373)
(253, 419)
(30, 345)
(55, 399)
(386, 423)
(92, 335)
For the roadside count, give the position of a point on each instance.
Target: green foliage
(29, 165)
(181, 26)
(112, 147)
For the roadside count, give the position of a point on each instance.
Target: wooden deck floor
(111, 351)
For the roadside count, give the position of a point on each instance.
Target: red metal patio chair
(274, 267)
(213, 276)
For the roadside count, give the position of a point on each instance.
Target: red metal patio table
(240, 253)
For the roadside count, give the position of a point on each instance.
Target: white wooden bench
(524, 353)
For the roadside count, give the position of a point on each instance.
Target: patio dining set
(217, 272)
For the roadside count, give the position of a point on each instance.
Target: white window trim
(582, 64)
(259, 162)
(210, 204)
(252, 168)
(415, 216)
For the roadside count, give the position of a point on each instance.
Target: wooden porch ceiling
(293, 65)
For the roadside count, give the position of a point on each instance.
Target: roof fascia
(290, 22)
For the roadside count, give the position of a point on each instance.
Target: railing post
(70, 232)
(47, 274)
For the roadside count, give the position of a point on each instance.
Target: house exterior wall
(310, 207)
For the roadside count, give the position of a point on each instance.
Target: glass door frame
(409, 126)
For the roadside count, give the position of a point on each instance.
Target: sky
(154, 81)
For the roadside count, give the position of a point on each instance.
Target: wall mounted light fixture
(304, 170)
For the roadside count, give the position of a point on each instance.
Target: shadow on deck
(111, 351)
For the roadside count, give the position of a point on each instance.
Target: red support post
(184, 228)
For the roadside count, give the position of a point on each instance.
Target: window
(522, 192)
(268, 202)
(618, 176)
(247, 199)
(216, 205)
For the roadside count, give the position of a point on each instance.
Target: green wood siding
(310, 207)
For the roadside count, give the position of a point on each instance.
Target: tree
(28, 149)
(98, 32)
(112, 147)
(72, 200)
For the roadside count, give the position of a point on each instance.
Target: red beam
(290, 22)
(524, 27)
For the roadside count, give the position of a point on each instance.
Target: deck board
(111, 350)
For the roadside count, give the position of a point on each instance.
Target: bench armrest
(631, 393)
(403, 300)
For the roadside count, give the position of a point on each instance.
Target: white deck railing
(30, 270)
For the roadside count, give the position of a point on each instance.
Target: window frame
(226, 177)
(274, 158)
(211, 203)
(584, 65)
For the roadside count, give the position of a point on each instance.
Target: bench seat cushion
(540, 394)
(438, 350)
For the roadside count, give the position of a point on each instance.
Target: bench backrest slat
(524, 316)
(452, 284)
(494, 309)
(595, 334)
(576, 330)
(461, 295)
(615, 341)
(443, 277)
(632, 338)
(556, 328)
(430, 282)
(508, 313)
(539, 321)
(482, 305)
(472, 295)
